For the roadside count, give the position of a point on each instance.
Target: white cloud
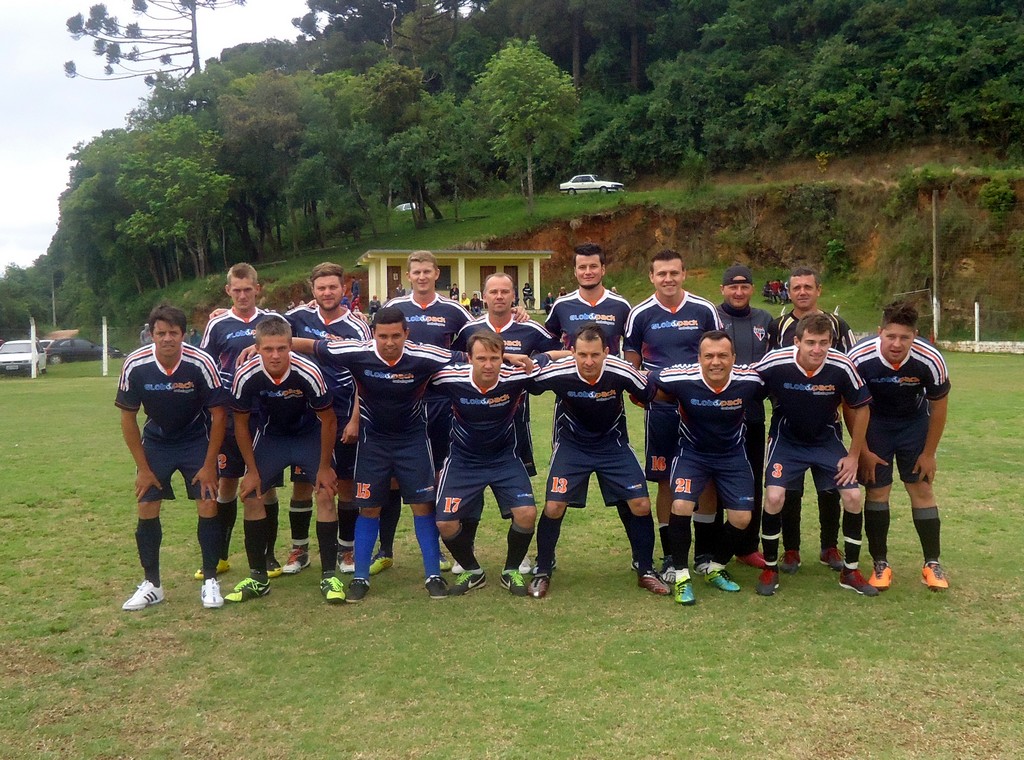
(46, 114)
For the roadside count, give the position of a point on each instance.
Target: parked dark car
(77, 350)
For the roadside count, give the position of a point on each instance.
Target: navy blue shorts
(186, 457)
(460, 489)
(787, 462)
(274, 454)
(731, 473)
(229, 461)
(524, 438)
(344, 465)
(661, 423)
(439, 427)
(407, 459)
(900, 439)
(619, 472)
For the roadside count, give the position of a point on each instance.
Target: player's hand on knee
(327, 480)
(846, 471)
(925, 466)
(869, 460)
(207, 480)
(250, 485)
(144, 481)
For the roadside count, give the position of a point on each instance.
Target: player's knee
(302, 491)
(555, 509)
(680, 507)
(448, 528)
(640, 507)
(739, 519)
(525, 517)
(205, 507)
(371, 512)
(851, 498)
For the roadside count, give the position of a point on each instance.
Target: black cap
(738, 275)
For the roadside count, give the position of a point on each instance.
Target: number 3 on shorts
(777, 471)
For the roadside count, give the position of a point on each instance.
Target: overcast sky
(45, 114)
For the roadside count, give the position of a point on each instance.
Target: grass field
(597, 669)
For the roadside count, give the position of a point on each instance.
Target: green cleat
(381, 562)
(466, 582)
(514, 581)
(248, 589)
(721, 580)
(684, 591)
(333, 590)
(444, 563)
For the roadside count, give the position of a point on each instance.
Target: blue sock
(426, 537)
(366, 536)
(641, 538)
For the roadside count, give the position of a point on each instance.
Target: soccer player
(591, 436)
(804, 292)
(748, 328)
(809, 382)
(297, 427)
(590, 303)
(663, 330)
(909, 386)
(227, 334)
(712, 395)
(328, 319)
(520, 337)
(391, 375)
(485, 398)
(432, 320)
(180, 388)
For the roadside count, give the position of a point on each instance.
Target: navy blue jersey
(435, 324)
(902, 391)
(175, 401)
(307, 322)
(390, 395)
(806, 405)
(520, 337)
(287, 407)
(570, 312)
(712, 419)
(227, 335)
(483, 423)
(663, 336)
(592, 412)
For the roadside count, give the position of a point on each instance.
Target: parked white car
(16, 358)
(405, 207)
(589, 182)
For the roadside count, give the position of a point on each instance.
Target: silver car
(16, 358)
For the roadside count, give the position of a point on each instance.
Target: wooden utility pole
(935, 265)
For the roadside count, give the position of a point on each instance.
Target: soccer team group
(431, 407)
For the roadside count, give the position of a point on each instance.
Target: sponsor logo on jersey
(427, 319)
(395, 377)
(817, 390)
(496, 401)
(731, 403)
(186, 387)
(676, 324)
(245, 332)
(760, 333)
(608, 319)
(597, 395)
(284, 393)
(895, 380)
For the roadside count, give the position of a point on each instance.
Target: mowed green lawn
(598, 669)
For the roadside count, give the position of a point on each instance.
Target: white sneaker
(298, 560)
(346, 559)
(526, 565)
(457, 568)
(145, 595)
(210, 594)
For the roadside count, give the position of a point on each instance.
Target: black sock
(227, 514)
(641, 539)
(208, 531)
(926, 521)
(771, 529)
(876, 528)
(327, 539)
(300, 514)
(626, 518)
(682, 537)
(790, 516)
(347, 523)
(748, 540)
(829, 510)
(705, 538)
(518, 544)
(728, 540)
(461, 547)
(852, 536)
(389, 515)
(255, 532)
(548, 531)
(273, 513)
(148, 535)
(668, 548)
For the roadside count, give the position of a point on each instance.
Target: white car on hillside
(582, 183)
(16, 358)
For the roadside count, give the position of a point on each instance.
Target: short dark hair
(806, 272)
(164, 312)
(389, 315)
(900, 313)
(327, 269)
(715, 335)
(588, 249)
(273, 327)
(488, 338)
(816, 324)
(590, 331)
(667, 254)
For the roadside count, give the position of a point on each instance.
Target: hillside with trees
(277, 147)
